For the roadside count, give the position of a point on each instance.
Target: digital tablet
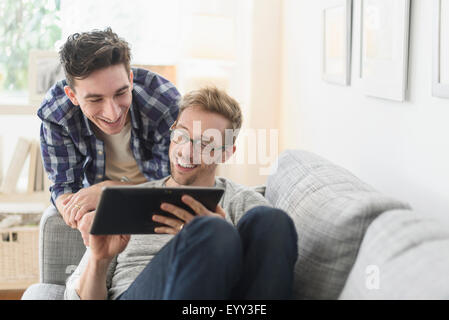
(129, 209)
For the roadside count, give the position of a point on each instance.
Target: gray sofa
(353, 242)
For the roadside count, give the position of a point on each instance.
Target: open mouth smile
(111, 123)
(184, 166)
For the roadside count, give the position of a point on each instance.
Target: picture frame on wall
(440, 72)
(336, 52)
(44, 70)
(384, 48)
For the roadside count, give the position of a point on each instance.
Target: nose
(111, 110)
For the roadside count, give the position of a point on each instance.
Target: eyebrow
(96, 95)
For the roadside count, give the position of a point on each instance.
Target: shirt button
(100, 152)
(99, 176)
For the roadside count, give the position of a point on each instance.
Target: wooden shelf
(35, 202)
(11, 294)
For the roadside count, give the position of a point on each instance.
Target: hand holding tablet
(174, 225)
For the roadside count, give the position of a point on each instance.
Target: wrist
(99, 264)
(98, 188)
(99, 185)
(92, 283)
(103, 183)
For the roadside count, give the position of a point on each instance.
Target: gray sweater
(236, 201)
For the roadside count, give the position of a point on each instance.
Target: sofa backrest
(404, 255)
(331, 209)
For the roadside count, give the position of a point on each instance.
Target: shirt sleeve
(72, 281)
(62, 161)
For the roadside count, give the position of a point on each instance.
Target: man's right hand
(61, 205)
(78, 204)
(73, 206)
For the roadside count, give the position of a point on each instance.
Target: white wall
(402, 149)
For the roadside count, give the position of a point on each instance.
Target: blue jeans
(211, 259)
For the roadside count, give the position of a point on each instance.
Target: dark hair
(84, 53)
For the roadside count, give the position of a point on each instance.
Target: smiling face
(104, 97)
(185, 168)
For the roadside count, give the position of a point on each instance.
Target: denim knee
(275, 219)
(214, 235)
(272, 225)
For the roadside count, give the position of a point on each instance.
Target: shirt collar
(88, 131)
(133, 115)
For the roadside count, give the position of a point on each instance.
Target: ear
(131, 77)
(71, 94)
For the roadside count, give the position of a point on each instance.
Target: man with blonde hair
(245, 249)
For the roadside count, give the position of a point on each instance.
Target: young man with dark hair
(245, 249)
(107, 123)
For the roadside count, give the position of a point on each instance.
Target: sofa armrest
(259, 188)
(60, 248)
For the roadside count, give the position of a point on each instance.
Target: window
(24, 25)
(151, 27)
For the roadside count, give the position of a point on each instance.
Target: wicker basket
(19, 249)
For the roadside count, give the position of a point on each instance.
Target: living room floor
(11, 294)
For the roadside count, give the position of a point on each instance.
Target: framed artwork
(44, 70)
(384, 48)
(336, 60)
(440, 72)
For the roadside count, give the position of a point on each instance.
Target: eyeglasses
(181, 136)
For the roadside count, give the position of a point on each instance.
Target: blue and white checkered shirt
(73, 156)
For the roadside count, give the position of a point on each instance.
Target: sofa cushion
(403, 256)
(44, 291)
(331, 209)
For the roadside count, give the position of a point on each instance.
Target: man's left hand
(173, 225)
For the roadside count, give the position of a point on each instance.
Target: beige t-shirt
(120, 162)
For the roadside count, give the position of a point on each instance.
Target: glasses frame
(192, 141)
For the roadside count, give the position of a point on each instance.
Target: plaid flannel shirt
(74, 158)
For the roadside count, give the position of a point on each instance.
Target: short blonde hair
(214, 100)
